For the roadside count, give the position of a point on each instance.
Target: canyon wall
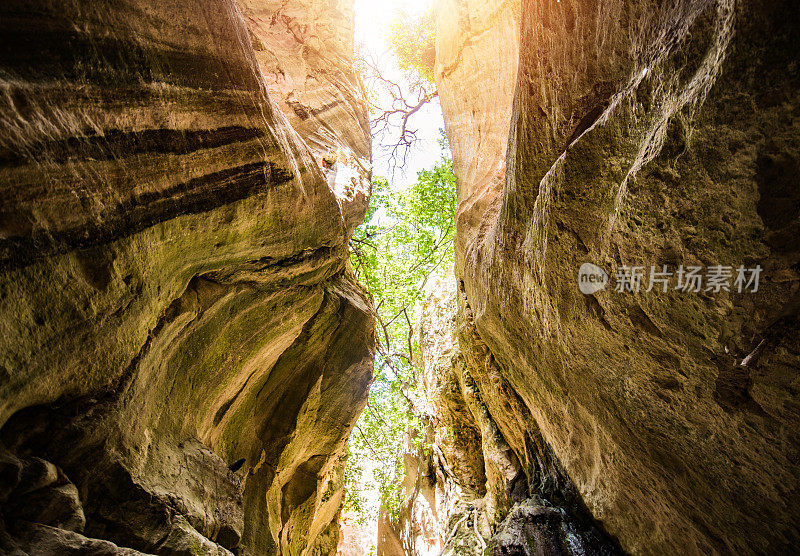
(633, 133)
(178, 184)
(466, 490)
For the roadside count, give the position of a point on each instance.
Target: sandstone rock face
(355, 539)
(174, 292)
(305, 51)
(641, 133)
(469, 492)
(476, 67)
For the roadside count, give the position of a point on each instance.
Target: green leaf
(406, 240)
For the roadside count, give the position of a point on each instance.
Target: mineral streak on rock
(174, 292)
(623, 133)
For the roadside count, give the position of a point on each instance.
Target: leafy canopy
(407, 238)
(412, 39)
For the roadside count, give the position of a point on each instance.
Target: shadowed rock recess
(178, 183)
(631, 132)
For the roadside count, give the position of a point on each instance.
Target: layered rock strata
(174, 292)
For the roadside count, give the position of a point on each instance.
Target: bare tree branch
(369, 445)
(392, 127)
(410, 334)
(377, 414)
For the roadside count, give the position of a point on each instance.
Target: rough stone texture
(34, 538)
(304, 49)
(174, 292)
(471, 489)
(476, 66)
(534, 527)
(641, 133)
(482, 463)
(430, 498)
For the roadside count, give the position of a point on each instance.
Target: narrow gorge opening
(428, 470)
(480, 277)
(401, 253)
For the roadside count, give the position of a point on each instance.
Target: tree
(407, 238)
(412, 40)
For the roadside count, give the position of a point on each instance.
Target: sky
(372, 26)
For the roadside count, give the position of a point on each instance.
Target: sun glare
(374, 19)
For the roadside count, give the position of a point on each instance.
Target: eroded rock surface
(467, 490)
(641, 133)
(173, 286)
